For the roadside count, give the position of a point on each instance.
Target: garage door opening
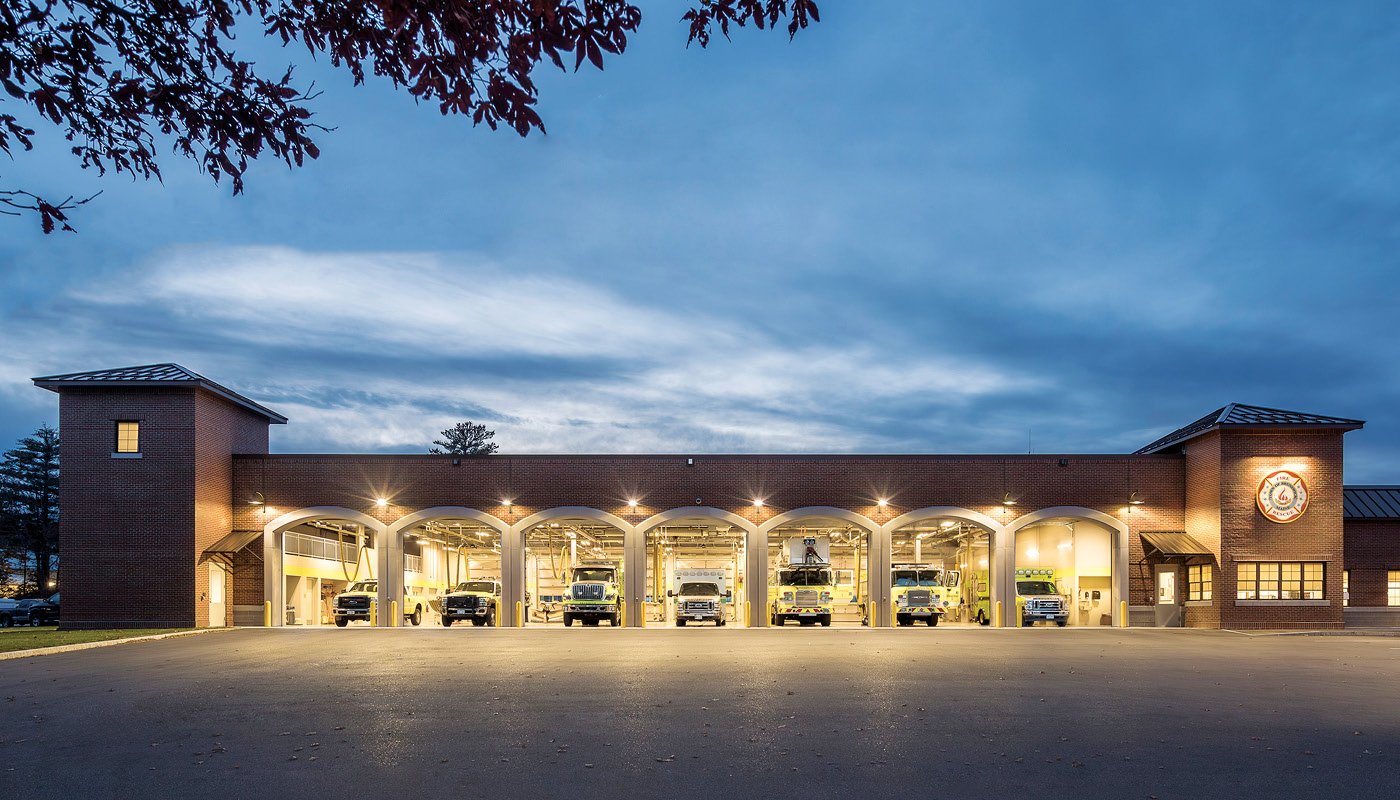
(941, 573)
(573, 574)
(323, 560)
(695, 574)
(817, 573)
(452, 573)
(1064, 574)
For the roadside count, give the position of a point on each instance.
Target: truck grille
(355, 601)
(699, 605)
(1049, 604)
(469, 601)
(807, 597)
(588, 591)
(918, 597)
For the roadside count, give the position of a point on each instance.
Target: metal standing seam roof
(1246, 416)
(1175, 543)
(231, 544)
(1371, 502)
(155, 375)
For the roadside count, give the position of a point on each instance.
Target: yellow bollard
(393, 613)
(1123, 613)
(996, 615)
(870, 613)
(267, 614)
(500, 618)
(621, 613)
(519, 614)
(373, 613)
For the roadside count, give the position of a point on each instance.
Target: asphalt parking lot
(603, 713)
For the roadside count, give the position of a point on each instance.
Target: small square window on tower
(128, 436)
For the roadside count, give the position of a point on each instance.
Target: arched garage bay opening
(818, 565)
(313, 555)
(573, 568)
(451, 566)
(696, 570)
(1069, 567)
(942, 567)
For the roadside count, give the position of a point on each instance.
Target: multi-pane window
(1290, 580)
(128, 437)
(1198, 580)
(1392, 587)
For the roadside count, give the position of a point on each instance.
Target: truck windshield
(906, 577)
(364, 586)
(477, 586)
(701, 589)
(597, 574)
(805, 577)
(930, 577)
(1035, 587)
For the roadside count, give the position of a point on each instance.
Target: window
(1198, 580)
(1346, 587)
(1392, 587)
(128, 437)
(1256, 580)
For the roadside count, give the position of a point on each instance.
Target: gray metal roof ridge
(163, 374)
(1243, 415)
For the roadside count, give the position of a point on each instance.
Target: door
(218, 588)
(1168, 597)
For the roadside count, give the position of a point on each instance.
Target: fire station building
(175, 514)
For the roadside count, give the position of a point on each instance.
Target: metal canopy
(1174, 544)
(231, 544)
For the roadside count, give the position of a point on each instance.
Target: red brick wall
(1246, 535)
(127, 522)
(221, 429)
(1203, 492)
(1372, 548)
(535, 483)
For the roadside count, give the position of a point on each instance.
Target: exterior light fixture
(757, 503)
(883, 502)
(1134, 499)
(381, 502)
(632, 504)
(257, 499)
(507, 503)
(1007, 500)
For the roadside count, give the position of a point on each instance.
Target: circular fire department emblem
(1283, 496)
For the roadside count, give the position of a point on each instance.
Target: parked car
(33, 612)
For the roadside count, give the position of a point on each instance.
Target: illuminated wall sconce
(1007, 501)
(381, 502)
(257, 499)
(507, 503)
(757, 503)
(883, 502)
(1134, 499)
(632, 504)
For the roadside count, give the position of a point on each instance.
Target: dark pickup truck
(34, 612)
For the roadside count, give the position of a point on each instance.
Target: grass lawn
(30, 638)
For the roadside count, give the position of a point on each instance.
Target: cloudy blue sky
(921, 227)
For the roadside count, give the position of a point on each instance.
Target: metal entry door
(1168, 606)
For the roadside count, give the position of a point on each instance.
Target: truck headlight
(826, 597)
(787, 596)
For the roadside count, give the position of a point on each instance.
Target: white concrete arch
(449, 512)
(1117, 527)
(832, 512)
(702, 512)
(274, 587)
(633, 557)
(952, 512)
(876, 556)
(996, 533)
(755, 588)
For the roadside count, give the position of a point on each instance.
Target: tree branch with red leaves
(113, 76)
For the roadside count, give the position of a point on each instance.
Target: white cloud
(334, 334)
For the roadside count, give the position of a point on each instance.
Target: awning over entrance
(1174, 544)
(231, 544)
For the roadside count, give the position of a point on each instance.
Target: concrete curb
(69, 648)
